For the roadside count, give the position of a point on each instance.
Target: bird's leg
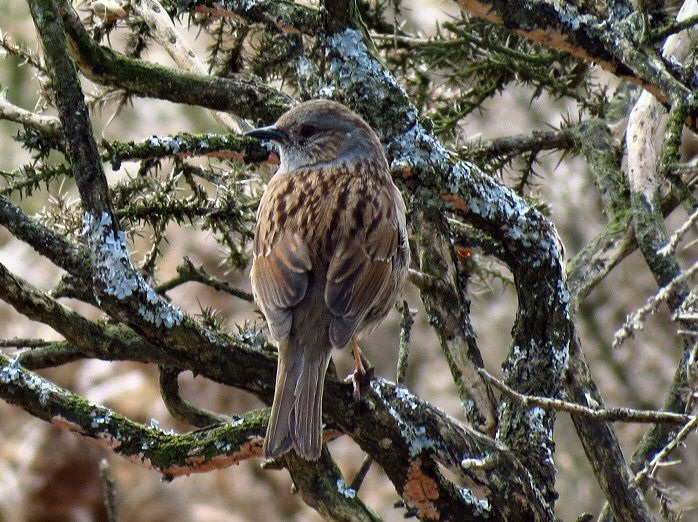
(359, 372)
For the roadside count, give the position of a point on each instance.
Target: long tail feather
(296, 415)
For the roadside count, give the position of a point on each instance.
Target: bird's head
(321, 133)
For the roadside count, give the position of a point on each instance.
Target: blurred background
(51, 475)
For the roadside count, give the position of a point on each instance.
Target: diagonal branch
(246, 97)
(603, 414)
(163, 30)
(605, 41)
(150, 447)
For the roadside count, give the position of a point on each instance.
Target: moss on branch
(247, 98)
(169, 453)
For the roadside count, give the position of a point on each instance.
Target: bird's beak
(267, 133)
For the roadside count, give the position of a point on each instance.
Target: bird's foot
(356, 379)
(360, 378)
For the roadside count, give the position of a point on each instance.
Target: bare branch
(246, 97)
(109, 491)
(180, 409)
(608, 43)
(181, 52)
(601, 414)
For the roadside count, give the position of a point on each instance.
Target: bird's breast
(321, 205)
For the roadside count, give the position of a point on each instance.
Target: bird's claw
(356, 379)
(361, 377)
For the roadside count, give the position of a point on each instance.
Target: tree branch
(170, 454)
(448, 309)
(283, 15)
(185, 145)
(609, 43)
(180, 409)
(163, 30)
(245, 97)
(600, 414)
(246, 362)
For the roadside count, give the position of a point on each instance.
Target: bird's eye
(308, 130)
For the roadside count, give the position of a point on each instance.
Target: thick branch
(245, 97)
(72, 109)
(171, 454)
(323, 488)
(280, 15)
(607, 42)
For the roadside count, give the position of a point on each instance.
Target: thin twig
(670, 247)
(188, 272)
(651, 467)
(180, 409)
(109, 491)
(361, 473)
(405, 333)
(635, 321)
(602, 414)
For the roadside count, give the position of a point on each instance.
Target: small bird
(330, 257)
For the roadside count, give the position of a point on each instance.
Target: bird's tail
(296, 415)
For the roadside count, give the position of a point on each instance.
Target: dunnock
(330, 257)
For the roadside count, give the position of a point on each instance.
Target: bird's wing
(280, 268)
(362, 264)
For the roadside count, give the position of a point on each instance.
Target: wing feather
(360, 268)
(280, 280)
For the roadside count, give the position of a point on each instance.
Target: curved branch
(171, 454)
(606, 41)
(246, 97)
(180, 409)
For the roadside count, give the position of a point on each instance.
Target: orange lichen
(66, 424)
(463, 252)
(457, 202)
(196, 464)
(421, 491)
